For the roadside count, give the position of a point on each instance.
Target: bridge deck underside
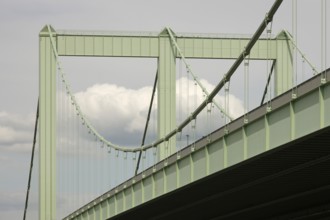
(286, 182)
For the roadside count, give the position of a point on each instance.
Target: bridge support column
(284, 64)
(47, 127)
(166, 94)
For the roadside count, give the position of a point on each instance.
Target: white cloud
(10, 135)
(114, 106)
(28, 17)
(24, 121)
(120, 113)
(16, 132)
(196, 97)
(115, 111)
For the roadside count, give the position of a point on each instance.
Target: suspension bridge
(197, 158)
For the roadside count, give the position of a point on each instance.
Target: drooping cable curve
(268, 18)
(195, 78)
(304, 57)
(301, 53)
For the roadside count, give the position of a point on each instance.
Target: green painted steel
(147, 45)
(155, 46)
(192, 46)
(47, 127)
(284, 64)
(289, 119)
(166, 94)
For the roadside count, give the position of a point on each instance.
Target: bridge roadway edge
(287, 182)
(290, 118)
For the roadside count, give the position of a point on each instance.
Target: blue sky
(21, 21)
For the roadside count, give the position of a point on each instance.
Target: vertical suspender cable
(295, 38)
(71, 149)
(85, 162)
(78, 162)
(59, 142)
(125, 166)
(323, 39)
(58, 158)
(194, 121)
(65, 153)
(77, 125)
(89, 167)
(180, 107)
(322, 35)
(302, 68)
(108, 172)
(187, 104)
(326, 38)
(98, 159)
(103, 156)
(270, 89)
(194, 126)
(31, 162)
(70, 140)
(246, 88)
(73, 159)
(227, 87)
(150, 158)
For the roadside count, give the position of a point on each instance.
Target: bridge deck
(287, 181)
(290, 119)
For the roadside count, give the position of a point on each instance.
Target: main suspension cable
(194, 114)
(195, 78)
(288, 35)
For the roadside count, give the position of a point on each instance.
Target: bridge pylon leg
(47, 127)
(166, 94)
(284, 64)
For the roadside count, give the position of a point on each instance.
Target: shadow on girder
(289, 182)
